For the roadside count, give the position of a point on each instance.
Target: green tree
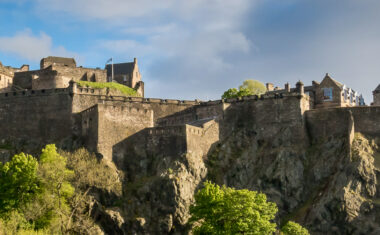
(50, 208)
(249, 87)
(223, 210)
(230, 93)
(254, 87)
(292, 228)
(89, 173)
(18, 182)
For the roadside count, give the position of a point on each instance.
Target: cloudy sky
(191, 49)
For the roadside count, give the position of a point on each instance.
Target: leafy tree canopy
(292, 228)
(249, 87)
(223, 210)
(18, 182)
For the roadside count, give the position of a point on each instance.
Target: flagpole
(112, 69)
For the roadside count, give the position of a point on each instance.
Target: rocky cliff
(329, 185)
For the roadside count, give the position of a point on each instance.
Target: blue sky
(200, 48)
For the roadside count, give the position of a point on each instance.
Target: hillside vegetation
(55, 194)
(111, 85)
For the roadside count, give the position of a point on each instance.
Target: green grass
(112, 85)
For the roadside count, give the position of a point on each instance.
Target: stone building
(327, 93)
(57, 72)
(6, 76)
(376, 96)
(62, 61)
(127, 74)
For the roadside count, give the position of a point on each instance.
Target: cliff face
(328, 185)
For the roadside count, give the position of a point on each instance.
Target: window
(327, 94)
(124, 78)
(345, 95)
(352, 97)
(361, 101)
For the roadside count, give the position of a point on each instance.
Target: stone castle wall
(38, 117)
(57, 76)
(325, 123)
(106, 123)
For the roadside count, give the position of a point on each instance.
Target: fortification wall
(36, 80)
(267, 116)
(56, 76)
(366, 119)
(36, 117)
(89, 119)
(325, 123)
(200, 140)
(115, 123)
(337, 122)
(160, 145)
(205, 110)
(160, 107)
(80, 74)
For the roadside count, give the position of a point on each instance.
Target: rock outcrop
(329, 186)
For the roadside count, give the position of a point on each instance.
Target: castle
(48, 106)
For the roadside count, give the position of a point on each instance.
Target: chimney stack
(269, 86)
(300, 87)
(287, 87)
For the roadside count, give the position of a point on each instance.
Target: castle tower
(300, 87)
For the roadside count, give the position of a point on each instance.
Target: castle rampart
(56, 76)
(38, 117)
(325, 123)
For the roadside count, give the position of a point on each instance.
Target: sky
(198, 49)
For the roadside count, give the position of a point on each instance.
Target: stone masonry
(47, 106)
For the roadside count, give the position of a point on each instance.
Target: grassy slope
(112, 85)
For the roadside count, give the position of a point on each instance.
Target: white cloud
(178, 40)
(31, 47)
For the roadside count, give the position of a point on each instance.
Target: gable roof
(338, 84)
(377, 88)
(120, 69)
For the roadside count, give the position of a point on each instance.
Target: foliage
(292, 228)
(89, 173)
(18, 182)
(254, 87)
(111, 85)
(249, 87)
(223, 210)
(230, 93)
(52, 204)
(38, 197)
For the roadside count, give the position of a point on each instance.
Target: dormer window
(327, 94)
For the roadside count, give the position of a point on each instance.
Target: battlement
(167, 131)
(146, 100)
(31, 93)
